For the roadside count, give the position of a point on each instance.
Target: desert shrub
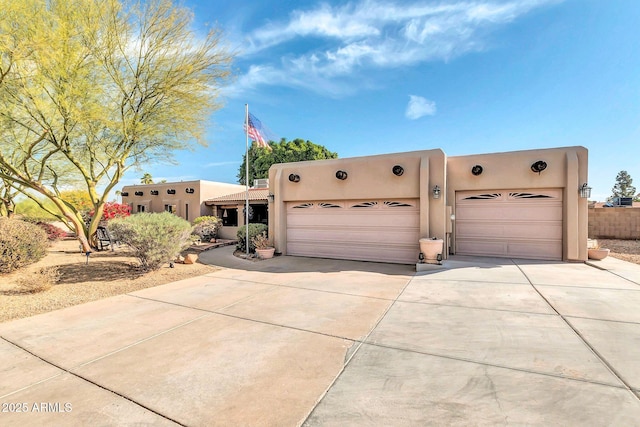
(21, 244)
(38, 281)
(206, 227)
(53, 233)
(155, 238)
(254, 230)
(261, 241)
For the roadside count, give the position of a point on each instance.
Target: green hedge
(254, 230)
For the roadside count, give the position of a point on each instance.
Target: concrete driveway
(293, 341)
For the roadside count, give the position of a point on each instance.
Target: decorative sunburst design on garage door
(529, 196)
(328, 205)
(397, 205)
(365, 205)
(303, 206)
(484, 196)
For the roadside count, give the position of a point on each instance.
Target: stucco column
(572, 217)
(425, 194)
(277, 212)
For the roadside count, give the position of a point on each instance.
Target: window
(171, 208)
(140, 208)
(260, 214)
(186, 211)
(230, 217)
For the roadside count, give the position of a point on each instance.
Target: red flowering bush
(53, 232)
(113, 210)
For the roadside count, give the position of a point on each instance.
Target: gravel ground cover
(626, 250)
(106, 274)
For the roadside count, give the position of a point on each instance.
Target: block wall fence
(614, 223)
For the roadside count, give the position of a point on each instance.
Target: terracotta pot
(266, 253)
(598, 254)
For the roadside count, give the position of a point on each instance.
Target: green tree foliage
(155, 238)
(146, 178)
(298, 150)
(92, 88)
(623, 187)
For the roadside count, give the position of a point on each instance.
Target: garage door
(368, 230)
(509, 223)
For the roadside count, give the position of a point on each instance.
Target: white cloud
(419, 107)
(217, 164)
(343, 41)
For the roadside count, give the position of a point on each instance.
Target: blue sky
(477, 76)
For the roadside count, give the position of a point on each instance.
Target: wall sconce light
(585, 191)
(190, 190)
(294, 177)
(139, 193)
(124, 193)
(154, 192)
(539, 166)
(271, 198)
(171, 191)
(341, 175)
(398, 170)
(476, 170)
(436, 192)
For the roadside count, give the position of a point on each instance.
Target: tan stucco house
(231, 208)
(522, 204)
(186, 198)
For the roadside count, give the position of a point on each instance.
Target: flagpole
(246, 180)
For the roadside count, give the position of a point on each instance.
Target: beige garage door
(367, 230)
(509, 223)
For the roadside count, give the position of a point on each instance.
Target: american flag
(256, 131)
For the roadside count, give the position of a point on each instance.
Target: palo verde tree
(623, 187)
(92, 88)
(298, 150)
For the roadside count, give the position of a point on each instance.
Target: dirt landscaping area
(626, 250)
(106, 274)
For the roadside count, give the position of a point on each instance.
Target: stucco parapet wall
(369, 176)
(516, 167)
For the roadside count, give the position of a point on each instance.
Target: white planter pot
(266, 253)
(598, 254)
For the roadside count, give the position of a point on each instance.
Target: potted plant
(261, 243)
(595, 251)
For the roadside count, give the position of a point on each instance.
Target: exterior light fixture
(539, 166)
(397, 170)
(271, 198)
(341, 175)
(189, 190)
(294, 177)
(585, 191)
(154, 192)
(476, 170)
(436, 192)
(171, 191)
(139, 193)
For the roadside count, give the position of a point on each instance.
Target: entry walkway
(294, 341)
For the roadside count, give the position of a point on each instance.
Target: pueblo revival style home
(522, 204)
(191, 199)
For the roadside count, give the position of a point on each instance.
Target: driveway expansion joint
(358, 345)
(77, 375)
(597, 354)
(495, 365)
